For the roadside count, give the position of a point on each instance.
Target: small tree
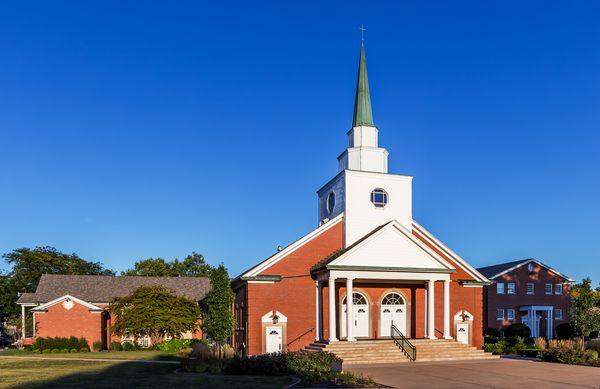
(154, 311)
(217, 317)
(585, 314)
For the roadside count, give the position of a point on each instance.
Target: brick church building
(367, 245)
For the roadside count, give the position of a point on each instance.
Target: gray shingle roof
(104, 289)
(490, 271)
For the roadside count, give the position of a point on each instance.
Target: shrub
(128, 346)
(515, 344)
(64, 350)
(591, 355)
(55, 351)
(84, 350)
(488, 347)
(593, 345)
(594, 334)
(540, 343)
(185, 353)
(565, 331)
(97, 346)
(46, 351)
(529, 352)
(517, 329)
(492, 332)
(74, 350)
(500, 347)
(174, 345)
(116, 346)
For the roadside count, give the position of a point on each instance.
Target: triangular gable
(67, 297)
(391, 246)
(526, 262)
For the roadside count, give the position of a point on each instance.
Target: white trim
(292, 247)
(268, 317)
(261, 282)
(47, 305)
(388, 275)
(413, 239)
(455, 257)
(534, 261)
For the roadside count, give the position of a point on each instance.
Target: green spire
(363, 116)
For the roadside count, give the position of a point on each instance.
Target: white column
(447, 309)
(317, 310)
(349, 311)
(549, 323)
(22, 321)
(431, 309)
(332, 326)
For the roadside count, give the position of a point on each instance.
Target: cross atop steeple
(362, 35)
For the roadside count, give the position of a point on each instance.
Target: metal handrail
(403, 343)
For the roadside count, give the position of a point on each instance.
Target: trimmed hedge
(530, 352)
(175, 345)
(517, 330)
(565, 331)
(60, 343)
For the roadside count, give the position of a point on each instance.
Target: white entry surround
(533, 321)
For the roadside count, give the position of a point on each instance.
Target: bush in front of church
(517, 330)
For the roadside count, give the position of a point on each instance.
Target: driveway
(498, 373)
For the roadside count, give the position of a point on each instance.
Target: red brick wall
(540, 276)
(293, 296)
(77, 321)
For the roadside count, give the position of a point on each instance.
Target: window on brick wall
(511, 288)
(500, 288)
(530, 288)
(558, 289)
(510, 314)
(558, 314)
(548, 288)
(500, 314)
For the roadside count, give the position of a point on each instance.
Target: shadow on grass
(49, 373)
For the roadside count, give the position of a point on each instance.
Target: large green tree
(585, 313)
(217, 316)
(154, 311)
(193, 265)
(27, 266)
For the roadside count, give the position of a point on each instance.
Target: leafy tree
(217, 317)
(192, 266)
(28, 265)
(154, 311)
(585, 314)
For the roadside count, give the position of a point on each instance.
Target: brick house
(366, 245)
(526, 291)
(77, 305)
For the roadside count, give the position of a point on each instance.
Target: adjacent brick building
(526, 291)
(77, 305)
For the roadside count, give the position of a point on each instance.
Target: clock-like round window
(330, 202)
(379, 197)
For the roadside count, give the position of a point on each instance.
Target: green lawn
(48, 373)
(124, 355)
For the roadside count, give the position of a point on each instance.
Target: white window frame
(510, 290)
(510, 314)
(498, 312)
(558, 289)
(382, 192)
(500, 289)
(549, 290)
(556, 314)
(532, 285)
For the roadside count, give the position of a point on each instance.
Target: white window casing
(500, 314)
(558, 289)
(500, 288)
(558, 314)
(548, 288)
(530, 288)
(510, 314)
(511, 288)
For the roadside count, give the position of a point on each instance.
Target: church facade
(368, 246)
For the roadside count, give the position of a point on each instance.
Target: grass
(48, 373)
(116, 355)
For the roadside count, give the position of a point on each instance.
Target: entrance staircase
(386, 351)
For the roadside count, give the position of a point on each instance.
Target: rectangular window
(500, 314)
(530, 288)
(558, 289)
(510, 314)
(500, 288)
(548, 288)
(510, 288)
(558, 314)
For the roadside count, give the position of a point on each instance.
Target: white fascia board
(406, 233)
(534, 261)
(383, 275)
(455, 257)
(292, 247)
(66, 296)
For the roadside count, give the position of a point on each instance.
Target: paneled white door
(361, 316)
(393, 310)
(274, 339)
(462, 333)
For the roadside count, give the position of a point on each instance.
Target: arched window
(393, 299)
(358, 299)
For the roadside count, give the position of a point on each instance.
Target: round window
(330, 202)
(379, 197)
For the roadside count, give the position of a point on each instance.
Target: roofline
(392, 269)
(289, 249)
(527, 261)
(454, 256)
(47, 305)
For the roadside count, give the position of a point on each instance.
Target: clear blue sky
(130, 130)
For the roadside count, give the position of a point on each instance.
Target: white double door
(361, 320)
(395, 314)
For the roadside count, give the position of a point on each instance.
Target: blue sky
(131, 130)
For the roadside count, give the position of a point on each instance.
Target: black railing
(404, 344)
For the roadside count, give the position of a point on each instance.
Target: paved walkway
(91, 359)
(499, 373)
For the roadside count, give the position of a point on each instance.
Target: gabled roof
(104, 289)
(497, 270)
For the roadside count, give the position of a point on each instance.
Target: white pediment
(392, 246)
